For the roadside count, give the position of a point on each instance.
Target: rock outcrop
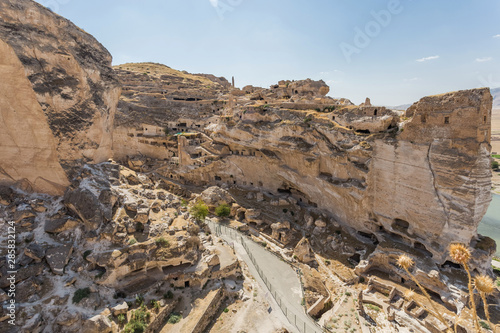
(367, 167)
(66, 118)
(27, 145)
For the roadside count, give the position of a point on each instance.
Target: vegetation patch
(162, 242)
(139, 321)
(174, 318)
(223, 210)
(199, 211)
(81, 294)
(372, 307)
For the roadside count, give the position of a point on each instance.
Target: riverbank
(490, 225)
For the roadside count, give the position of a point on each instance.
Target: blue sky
(393, 51)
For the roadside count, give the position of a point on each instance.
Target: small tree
(494, 165)
(223, 210)
(199, 211)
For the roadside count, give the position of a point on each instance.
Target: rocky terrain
(108, 176)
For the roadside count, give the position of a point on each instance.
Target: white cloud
(412, 79)
(428, 58)
(484, 59)
(329, 73)
(496, 36)
(214, 3)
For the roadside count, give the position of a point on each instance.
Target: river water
(490, 226)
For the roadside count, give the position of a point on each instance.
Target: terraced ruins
(121, 180)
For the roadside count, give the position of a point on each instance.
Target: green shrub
(155, 304)
(162, 242)
(121, 318)
(223, 210)
(138, 322)
(139, 299)
(199, 211)
(373, 307)
(496, 156)
(174, 318)
(168, 295)
(132, 241)
(484, 325)
(226, 310)
(184, 203)
(81, 294)
(494, 165)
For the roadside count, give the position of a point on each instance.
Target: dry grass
(158, 70)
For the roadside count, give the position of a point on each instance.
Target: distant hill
(399, 107)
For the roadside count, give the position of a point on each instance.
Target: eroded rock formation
(421, 179)
(72, 81)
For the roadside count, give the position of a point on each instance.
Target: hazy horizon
(393, 51)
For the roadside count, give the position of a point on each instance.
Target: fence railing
(301, 325)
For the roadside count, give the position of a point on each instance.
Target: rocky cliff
(74, 86)
(421, 179)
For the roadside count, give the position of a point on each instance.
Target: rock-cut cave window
(423, 118)
(375, 112)
(446, 120)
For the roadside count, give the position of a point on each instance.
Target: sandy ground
(253, 314)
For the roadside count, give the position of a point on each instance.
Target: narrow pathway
(276, 276)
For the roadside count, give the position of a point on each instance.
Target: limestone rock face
(27, 145)
(423, 181)
(61, 107)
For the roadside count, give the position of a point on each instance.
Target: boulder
(212, 260)
(97, 324)
(58, 257)
(66, 318)
(252, 215)
(320, 223)
(303, 251)
(6, 195)
(84, 203)
(23, 214)
(142, 215)
(34, 251)
(214, 196)
(60, 225)
(27, 290)
(120, 309)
